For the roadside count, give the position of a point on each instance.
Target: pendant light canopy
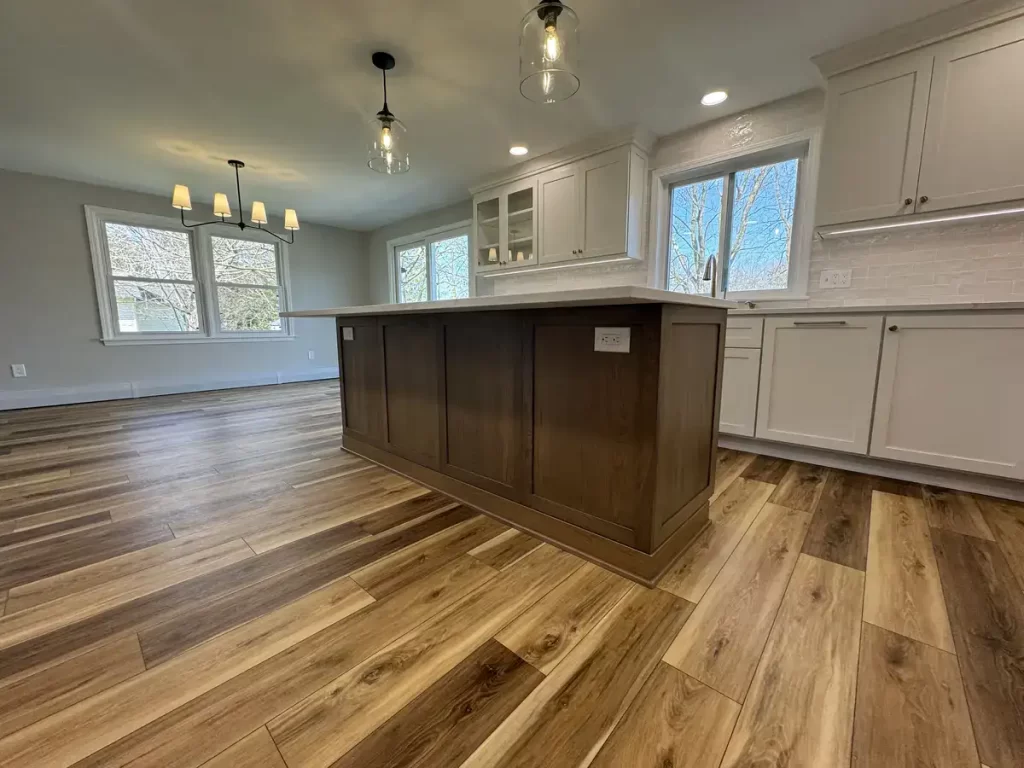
(548, 46)
(387, 152)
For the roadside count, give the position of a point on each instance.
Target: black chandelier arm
(289, 240)
(204, 223)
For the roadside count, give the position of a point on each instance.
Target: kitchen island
(588, 418)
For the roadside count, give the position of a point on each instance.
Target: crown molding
(935, 28)
(636, 135)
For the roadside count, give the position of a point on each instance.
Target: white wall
(51, 322)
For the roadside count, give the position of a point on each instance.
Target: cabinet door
(603, 203)
(558, 215)
(414, 374)
(818, 380)
(974, 142)
(361, 361)
(487, 245)
(739, 391)
(950, 393)
(874, 129)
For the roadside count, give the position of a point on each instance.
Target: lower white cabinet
(951, 393)
(818, 380)
(739, 391)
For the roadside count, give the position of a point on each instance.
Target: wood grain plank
(839, 527)
(731, 514)
(257, 750)
(957, 512)
(903, 592)
(729, 466)
(442, 726)
(79, 731)
(911, 708)
(1006, 521)
(794, 714)
(767, 469)
(556, 623)
(722, 642)
(53, 529)
(405, 512)
(986, 610)
(569, 716)
(389, 574)
(505, 548)
(199, 729)
(674, 721)
(325, 725)
(801, 487)
(30, 699)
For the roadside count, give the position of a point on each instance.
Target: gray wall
(380, 290)
(50, 319)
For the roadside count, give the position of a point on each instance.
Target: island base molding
(898, 470)
(641, 567)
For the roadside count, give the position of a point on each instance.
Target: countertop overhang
(627, 294)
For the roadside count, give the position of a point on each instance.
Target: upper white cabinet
(586, 208)
(951, 393)
(874, 130)
(974, 143)
(818, 380)
(505, 226)
(928, 130)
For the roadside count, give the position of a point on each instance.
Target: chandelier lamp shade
(549, 40)
(388, 152)
(182, 200)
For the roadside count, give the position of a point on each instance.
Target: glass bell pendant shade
(548, 50)
(388, 152)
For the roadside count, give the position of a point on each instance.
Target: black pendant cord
(238, 189)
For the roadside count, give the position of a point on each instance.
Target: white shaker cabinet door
(739, 391)
(559, 214)
(974, 143)
(818, 380)
(604, 203)
(951, 393)
(874, 129)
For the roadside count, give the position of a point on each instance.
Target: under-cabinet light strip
(827, 232)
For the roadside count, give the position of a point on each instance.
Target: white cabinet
(559, 214)
(603, 204)
(744, 331)
(818, 380)
(505, 226)
(739, 391)
(973, 143)
(951, 393)
(874, 130)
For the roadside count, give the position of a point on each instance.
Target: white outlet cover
(18, 371)
(348, 333)
(312, 354)
(611, 340)
(835, 278)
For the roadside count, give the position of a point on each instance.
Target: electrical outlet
(348, 333)
(835, 278)
(611, 340)
(18, 371)
(312, 354)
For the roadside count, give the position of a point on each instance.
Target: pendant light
(548, 46)
(387, 153)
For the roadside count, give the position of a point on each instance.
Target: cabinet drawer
(744, 332)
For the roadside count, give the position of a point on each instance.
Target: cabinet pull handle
(924, 198)
(894, 328)
(909, 201)
(830, 323)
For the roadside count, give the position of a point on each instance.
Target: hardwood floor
(208, 580)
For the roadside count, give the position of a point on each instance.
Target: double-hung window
(432, 266)
(731, 233)
(159, 282)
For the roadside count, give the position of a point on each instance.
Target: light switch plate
(348, 333)
(835, 278)
(611, 340)
(18, 371)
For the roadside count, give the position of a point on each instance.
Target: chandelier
(222, 210)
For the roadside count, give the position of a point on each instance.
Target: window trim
(805, 145)
(426, 237)
(203, 279)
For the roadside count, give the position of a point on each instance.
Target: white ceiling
(142, 94)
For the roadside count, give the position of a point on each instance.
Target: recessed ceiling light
(518, 149)
(713, 98)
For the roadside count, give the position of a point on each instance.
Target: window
(158, 282)
(432, 266)
(747, 215)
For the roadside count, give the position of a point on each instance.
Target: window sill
(121, 342)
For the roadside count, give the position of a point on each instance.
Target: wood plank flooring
(209, 580)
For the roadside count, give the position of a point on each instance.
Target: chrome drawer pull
(831, 323)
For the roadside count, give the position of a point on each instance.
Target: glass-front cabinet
(505, 227)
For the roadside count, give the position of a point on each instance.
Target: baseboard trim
(127, 390)
(944, 478)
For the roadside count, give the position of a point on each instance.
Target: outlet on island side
(611, 340)
(18, 371)
(835, 278)
(312, 354)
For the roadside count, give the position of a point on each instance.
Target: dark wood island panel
(608, 454)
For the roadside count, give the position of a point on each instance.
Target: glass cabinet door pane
(487, 233)
(520, 226)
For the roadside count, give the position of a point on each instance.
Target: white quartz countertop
(881, 309)
(585, 297)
